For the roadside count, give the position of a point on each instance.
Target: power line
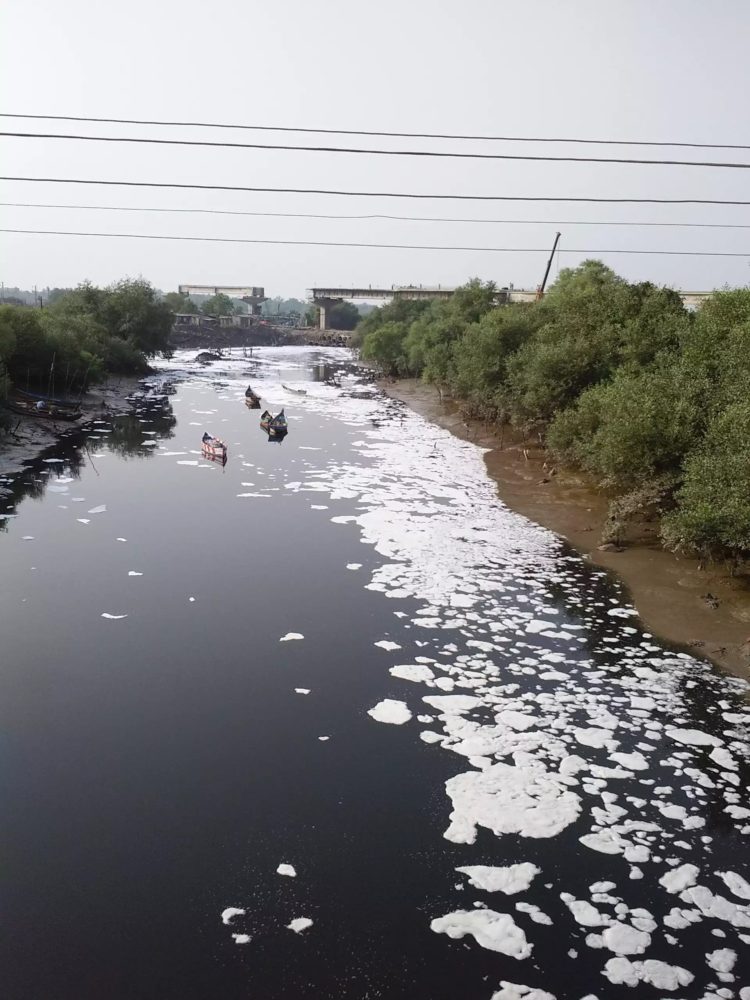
(380, 194)
(392, 218)
(373, 246)
(395, 135)
(379, 152)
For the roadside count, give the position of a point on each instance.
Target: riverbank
(29, 436)
(705, 610)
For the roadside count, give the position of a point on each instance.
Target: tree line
(617, 379)
(83, 335)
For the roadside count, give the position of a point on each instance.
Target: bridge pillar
(323, 306)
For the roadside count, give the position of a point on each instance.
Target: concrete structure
(254, 296)
(325, 298)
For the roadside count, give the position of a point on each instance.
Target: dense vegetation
(84, 334)
(617, 379)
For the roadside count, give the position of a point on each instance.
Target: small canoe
(214, 448)
(252, 399)
(298, 392)
(274, 426)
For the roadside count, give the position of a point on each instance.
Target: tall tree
(218, 305)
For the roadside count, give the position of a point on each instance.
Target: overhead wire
(378, 194)
(422, 153)
(378, 216)
(374, 246)
(379, 133)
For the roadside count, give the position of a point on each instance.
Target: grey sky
(631, 69)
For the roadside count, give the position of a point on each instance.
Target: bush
(481, 359)
(631, 430)
(385, 347)
(713, 513)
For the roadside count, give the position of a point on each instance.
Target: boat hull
(49, 412)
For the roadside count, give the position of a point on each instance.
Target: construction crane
(254, 297)
(540, 289)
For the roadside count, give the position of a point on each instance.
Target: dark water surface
(155, 769)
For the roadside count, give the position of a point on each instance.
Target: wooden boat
(252, 399)
(299, 392)
(213, 448)
(34, 405)
(274, 426)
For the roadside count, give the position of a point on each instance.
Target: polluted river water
(331, 721)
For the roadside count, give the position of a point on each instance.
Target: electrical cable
(394, 218)
(384, 134)
(373, 246)
(711, 164)
(379, 194)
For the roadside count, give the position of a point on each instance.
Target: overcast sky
(621, 69)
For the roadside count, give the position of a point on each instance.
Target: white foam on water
(509, 879)
(230, 913)
(623, 939)
(680, 878)
(387, 645)
(106, 614)
(515, 991)
(736, 884)
(417, 672)
(492, 930)
(285, 869)
(302, 690)
(290, 636)
(621, 971)
(535, 913)
(299, 924)
(557, 709)
(132, 572)
(722, 960)
(241, 938)
(508, 798)
(693, 737)
(393, 712)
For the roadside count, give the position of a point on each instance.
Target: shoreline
(705, 611)
(30, 436)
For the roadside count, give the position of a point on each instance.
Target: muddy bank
(704, 610)
(29, 436)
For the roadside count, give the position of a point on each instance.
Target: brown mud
(28, 435)
(705, 610)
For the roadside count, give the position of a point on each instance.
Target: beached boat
(213, 448)
(298, 392)
(34, 405)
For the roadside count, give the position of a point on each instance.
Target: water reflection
(129, 435)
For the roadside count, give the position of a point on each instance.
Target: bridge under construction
(324, 297)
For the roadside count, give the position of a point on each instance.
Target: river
(340, 655)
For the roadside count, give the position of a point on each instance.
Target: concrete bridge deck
(326, 296)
